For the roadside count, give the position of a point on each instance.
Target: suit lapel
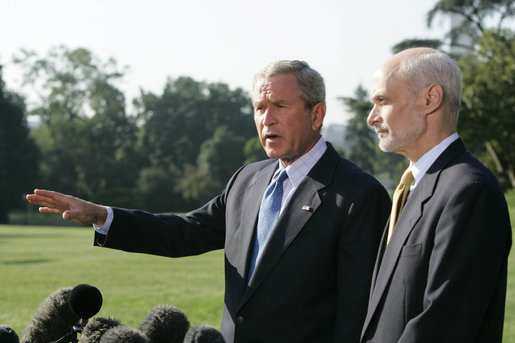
(379, 257)
(409, 217)
(302, 205)
(250, 212)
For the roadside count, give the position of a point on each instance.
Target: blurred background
(146, 104)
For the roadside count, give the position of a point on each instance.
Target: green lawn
(509, 317)
(36, 261)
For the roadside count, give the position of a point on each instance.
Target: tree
(473, 14)
(487, 122)
(360, 138)
(467, 18)
(193, 135)
(86, 137)
(221, 155)
(157, 191)
(416, 43)
(186, 115)
(253, 150)
(19, 155)
(196, 187)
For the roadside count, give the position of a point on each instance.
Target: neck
(422, 146)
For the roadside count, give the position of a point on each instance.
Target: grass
(36, 261)
(509, 314)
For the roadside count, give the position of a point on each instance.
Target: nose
(373, 116)
(268, 117)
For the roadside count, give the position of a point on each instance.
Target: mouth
(271, 137)
(381, 130)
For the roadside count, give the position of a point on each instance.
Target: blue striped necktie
(268, 215)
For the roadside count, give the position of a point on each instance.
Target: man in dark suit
(309, 280)
(441, 276)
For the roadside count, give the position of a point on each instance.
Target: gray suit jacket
(442, 277)
(312, 282)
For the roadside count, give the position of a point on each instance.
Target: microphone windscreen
(52, 320)
(165, 324)
(203, 334)
(95, 328)
(123, 334)
(85, 300)
(8, 335)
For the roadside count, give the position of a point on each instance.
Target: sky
(219, 41)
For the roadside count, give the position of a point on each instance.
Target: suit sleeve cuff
(104, 229)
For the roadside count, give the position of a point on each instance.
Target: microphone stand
(72, 336)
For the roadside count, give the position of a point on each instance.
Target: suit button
(240, 320)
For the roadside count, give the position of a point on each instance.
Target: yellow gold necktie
(399, 198)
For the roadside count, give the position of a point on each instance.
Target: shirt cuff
(104, 229)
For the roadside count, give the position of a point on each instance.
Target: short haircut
(310, 82)
(432, 66)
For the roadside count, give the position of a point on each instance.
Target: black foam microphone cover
(123, 334)
(95, 328)
(203, 334)
(8, 335)
(165, 324)
(85, 300)
(52, 320)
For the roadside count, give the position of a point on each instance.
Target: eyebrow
(277, 102)
(376, 95)
(274, 102)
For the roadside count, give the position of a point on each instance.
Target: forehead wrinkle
(264, 93)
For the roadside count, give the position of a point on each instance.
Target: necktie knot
(399, 198)
(407, 178)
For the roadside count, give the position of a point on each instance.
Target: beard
(392, 141)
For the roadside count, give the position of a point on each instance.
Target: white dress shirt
(420, 168)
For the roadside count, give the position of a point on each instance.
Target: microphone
(85, 301)
(123, 334)
(7, 335)
(203, 334)
(165, 324)
(95, 328)
(52, 320)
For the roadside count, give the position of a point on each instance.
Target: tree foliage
(360, 138)
(487, 121)
(86, 137)
(178, 149)
(474, 13)
(19, 155)
(196, 130)
(415, 43)
(253, 150)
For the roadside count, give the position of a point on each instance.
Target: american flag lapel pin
(306, 208)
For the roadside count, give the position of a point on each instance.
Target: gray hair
(310, 82)
(432, 66)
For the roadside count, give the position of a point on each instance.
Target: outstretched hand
(71, 208)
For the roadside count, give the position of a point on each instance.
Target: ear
(433, 97)
(317, 116)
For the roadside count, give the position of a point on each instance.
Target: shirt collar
(420, 168)
(298, 170)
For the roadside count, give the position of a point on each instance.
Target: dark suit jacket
(312, 282)
(442, 277)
